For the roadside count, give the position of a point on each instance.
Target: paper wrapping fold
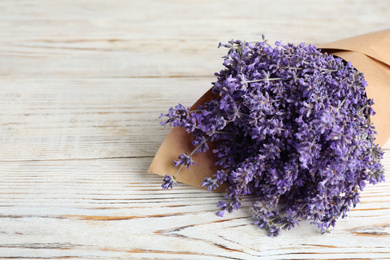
(369, 53)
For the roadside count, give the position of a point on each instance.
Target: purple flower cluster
(291, 127)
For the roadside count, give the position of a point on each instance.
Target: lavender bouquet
(288, 125)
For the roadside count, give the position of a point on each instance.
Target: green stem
(258, 80)
(198, 146)
(341, 104)
(319, 68)
(224, 133)
(181, 166)
(174, 176)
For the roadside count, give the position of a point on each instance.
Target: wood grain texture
(82, 84)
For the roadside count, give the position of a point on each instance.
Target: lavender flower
(177, 116)
(290, 127)
(210, 184)
(184, 159)
(169, 182)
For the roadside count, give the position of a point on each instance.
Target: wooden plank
(140, 38)
(113, 208)
(88, 118)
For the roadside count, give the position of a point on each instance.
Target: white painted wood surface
(82, 84)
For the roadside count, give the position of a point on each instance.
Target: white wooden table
(82, 84)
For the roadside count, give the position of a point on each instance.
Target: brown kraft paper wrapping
(368, 53)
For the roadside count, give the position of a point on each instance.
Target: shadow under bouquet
(291, 125)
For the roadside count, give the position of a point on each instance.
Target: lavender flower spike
(184, 159)
(169, 182)
(210, 184)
